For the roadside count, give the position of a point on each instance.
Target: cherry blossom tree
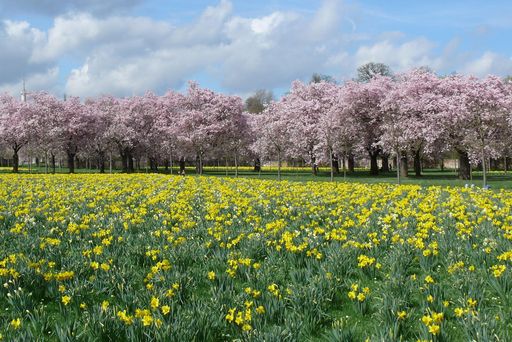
(170, 109)
(412, 114)
(73, 128)
(274, 135)
(409, 110)
(103, 111)
(480, 110)
(17, 125)
(474, 119)
(47, 136)
(207, 118)
(304, 108)
(363, 103)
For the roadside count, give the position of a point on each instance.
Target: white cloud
(489, 63)
(267, 24)
(17, 43)
(40, 81)
(399, 56)
(122, 55)
(128, 55)
(327, 19)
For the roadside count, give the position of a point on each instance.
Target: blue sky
(127, 47)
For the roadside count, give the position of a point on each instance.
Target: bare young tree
(259, 101)
(369, 70)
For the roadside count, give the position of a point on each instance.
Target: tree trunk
(53, 162)
(137, 162)
(166, 165)
(464, 165)
(404, 166)
(314, 167)
(257, 165)
(236, 165)
(46, 162)
(374, 166)
(153, 164)
(129, 162)
(110, 162)
(335, 163)
(351, 162)
(385, 163)
(442, 164)
(484, 167)
(417, 163)
(101, 161)
(279, 165)
(344, 167)
(182, 166)
(123, 152)
(71, 161)
(199, 164)
(332, 165)
(15, 160)
(397, 166)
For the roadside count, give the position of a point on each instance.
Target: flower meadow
(155, 257)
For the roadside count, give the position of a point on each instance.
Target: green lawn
(496, 179)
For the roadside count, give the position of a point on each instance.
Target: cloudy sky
(125, 47)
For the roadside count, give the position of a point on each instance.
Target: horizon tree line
(379, 115)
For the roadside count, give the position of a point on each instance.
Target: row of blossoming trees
(411, 115)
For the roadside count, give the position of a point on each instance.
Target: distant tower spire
(24, 92)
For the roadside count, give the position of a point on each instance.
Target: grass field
(169, 258)
(496, 179)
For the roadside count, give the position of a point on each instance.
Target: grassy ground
(147, 257)
(496, 179)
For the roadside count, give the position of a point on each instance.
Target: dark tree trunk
(442, 164)
(335, 164)
(166, 165)
(374, 166)
(417, 163)
(71, 161)
(124, 159)
(182, 166)
(198, 165)
(351, 162)
(385, 163)
(129, 157)
(15, 160)
(153, 164)
(404, 166)
(101, 161)
(464, 165)
(53, 162)
(314, 167)
(257, 165)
